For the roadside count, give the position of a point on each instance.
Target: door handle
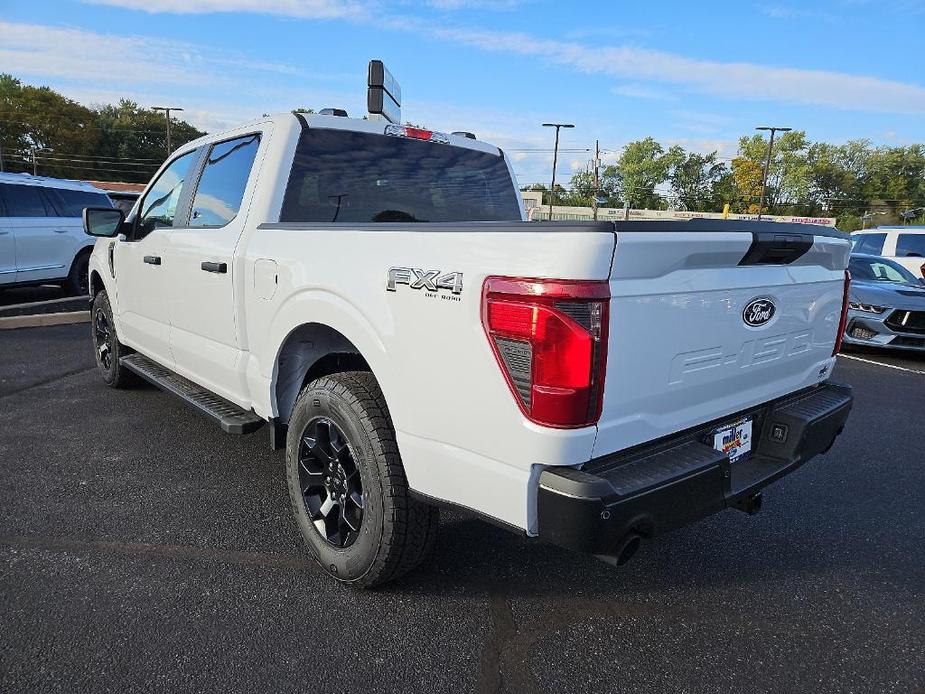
(214, 267)
(61, 231)
(153, 259)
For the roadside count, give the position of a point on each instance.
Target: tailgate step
(632, 474)
(229, 416)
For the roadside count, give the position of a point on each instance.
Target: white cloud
(496, 5)
(75, 54)
(643, 91)
(306, 9)
(727, 80)
(724, 79)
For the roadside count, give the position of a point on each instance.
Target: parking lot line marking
(41, 320)
(47, 302)
(880, 363)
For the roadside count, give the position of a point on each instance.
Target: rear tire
(106, 346)
(348, 487)
(78, 279)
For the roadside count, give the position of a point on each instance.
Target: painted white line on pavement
(42, 320)
(46, 302)
(880, 363)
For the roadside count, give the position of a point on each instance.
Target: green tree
(642, 166)
(38, 119)
(122, 142)
(693, 178)
(788, 174)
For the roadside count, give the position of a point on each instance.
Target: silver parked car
(41, 231)
(887, 304)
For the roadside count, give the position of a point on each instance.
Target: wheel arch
(310, 351)
(96, 283)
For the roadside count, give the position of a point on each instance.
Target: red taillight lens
(550, 340)
(843, 323)
(922, 269)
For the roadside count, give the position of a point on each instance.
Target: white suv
(41, 233)
(905, 245)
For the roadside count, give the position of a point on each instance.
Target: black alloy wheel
(332, 491)
(102, 338)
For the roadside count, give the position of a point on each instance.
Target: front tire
(347, 484)
(106, 346)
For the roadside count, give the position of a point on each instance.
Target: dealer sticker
(735, 440)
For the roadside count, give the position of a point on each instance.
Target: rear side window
(910, 245)
(24, 201)
(870, 243)
(344, 176)
(71, 203)
(224, 178)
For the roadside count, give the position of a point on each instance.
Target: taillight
(922, 270)
(843, 323)
(550, 340)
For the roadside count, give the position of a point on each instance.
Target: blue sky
(697, 74)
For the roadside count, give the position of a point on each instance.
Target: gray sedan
(887, 305)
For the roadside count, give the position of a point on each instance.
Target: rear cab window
(347, 176)
(910, 245)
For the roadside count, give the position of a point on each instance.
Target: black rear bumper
(662, 485)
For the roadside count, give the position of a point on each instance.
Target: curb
(44, 319)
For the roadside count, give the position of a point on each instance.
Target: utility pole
(555, 158)
(767, 163)
(597, 176)
(167, 110)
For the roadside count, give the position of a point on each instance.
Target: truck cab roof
(317, 120)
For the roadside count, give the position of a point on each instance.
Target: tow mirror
(103, 221)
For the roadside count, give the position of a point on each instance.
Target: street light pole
(167, 110)
(555, 158)
(597, 176)
(35, 165)
(767, 163)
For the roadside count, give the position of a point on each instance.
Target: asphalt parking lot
(142, 549)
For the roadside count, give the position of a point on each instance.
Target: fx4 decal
(429, 280)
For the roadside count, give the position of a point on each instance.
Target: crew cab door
(140, 263)
(202, 273)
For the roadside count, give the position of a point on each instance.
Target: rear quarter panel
(460, 432)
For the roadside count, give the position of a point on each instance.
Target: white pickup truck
(372, 293)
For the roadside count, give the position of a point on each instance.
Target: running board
(229, 416)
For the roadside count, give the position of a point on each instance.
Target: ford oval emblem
(758, 312)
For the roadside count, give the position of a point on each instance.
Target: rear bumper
(671, 482)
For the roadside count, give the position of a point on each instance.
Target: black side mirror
(103, 221)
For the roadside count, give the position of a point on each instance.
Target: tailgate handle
(152, 259)
(775, 248)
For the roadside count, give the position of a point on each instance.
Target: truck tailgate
(680, 349)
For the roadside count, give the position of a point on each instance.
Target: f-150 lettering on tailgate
(749, 354)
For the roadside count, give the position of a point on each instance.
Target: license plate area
(734, 439)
